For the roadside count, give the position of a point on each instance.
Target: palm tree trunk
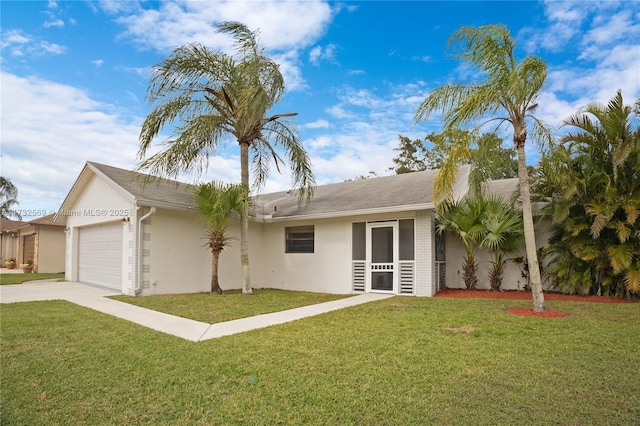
(244, 223)
(215, 284)
(529, 233)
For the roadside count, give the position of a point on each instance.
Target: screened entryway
(383, 256)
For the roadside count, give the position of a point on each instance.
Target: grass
(232, 305)
(20, 278)
(398, 361)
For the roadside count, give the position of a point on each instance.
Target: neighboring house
(41, 241)
(8, 240)
(142, 236)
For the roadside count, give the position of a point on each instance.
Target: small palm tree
(216, 203)
(503, 234)
(213, 96)
(464, 219)
(510, 87)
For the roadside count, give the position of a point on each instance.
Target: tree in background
(488, 158)
(216, 203)
(510, 87)
(9, 197)
(592, 181)
(412, 156)
(213, 96)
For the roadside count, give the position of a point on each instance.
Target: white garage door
(100, 255)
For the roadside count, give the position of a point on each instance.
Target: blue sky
(74, 75)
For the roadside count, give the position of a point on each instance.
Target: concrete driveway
(96, 298)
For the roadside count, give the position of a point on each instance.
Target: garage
(100, 255)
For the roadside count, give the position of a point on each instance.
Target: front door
(382, 257)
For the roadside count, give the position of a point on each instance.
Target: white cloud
(14, 37)
(424, 58)
(318, 124)
(54, 22)
(314, 55)
(97, 62)
(52, 48)
(338, 111)
(284, 27)
(20, 44)
(319, 53)
(48, 132)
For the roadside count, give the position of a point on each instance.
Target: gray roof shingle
(149, 189)
(410, 191)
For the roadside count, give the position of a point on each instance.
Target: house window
(300, 239)
(407, 239)
(359, 241)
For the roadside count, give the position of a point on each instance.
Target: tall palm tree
(503, 234)
(213, 96)
(8, 199)
(509, 87)
(216, 203)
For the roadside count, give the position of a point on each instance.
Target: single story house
(8, 243)
(142, 236)
(41, 241)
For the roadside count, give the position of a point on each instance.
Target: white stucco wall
(51, 249)
(98, 203)
(512, 279)
(327, 270)
(175, 261)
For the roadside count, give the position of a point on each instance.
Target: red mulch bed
(460, 293)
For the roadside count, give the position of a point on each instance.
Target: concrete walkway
(96, 298)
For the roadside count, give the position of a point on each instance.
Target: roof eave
(143, 202)
(346, 213)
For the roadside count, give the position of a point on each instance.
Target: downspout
(138, 284)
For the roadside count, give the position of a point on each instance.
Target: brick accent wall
(425, 249)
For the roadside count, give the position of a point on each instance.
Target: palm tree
(502, 235)
(464, 219)
(213, 96)
(511, 87)
(8, 196)
(593, 179)
(216, 203)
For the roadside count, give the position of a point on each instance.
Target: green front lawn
(232, 305)
(20, 278)
(399, 361)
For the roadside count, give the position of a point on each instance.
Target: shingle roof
(504, 188)
(6, 224)
(410, 191)
(405, 190)
(149, 189)
(45, 220)
(11, 225)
